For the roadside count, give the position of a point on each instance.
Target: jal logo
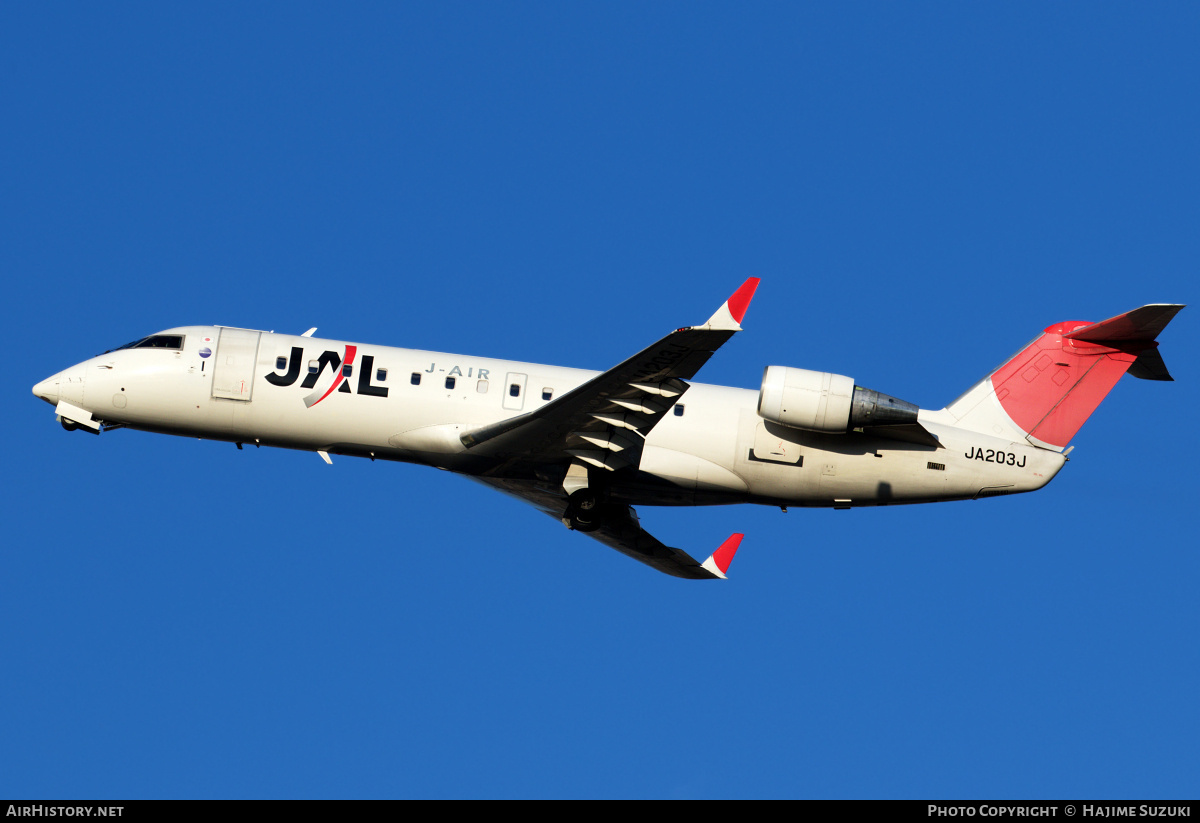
(341, 367)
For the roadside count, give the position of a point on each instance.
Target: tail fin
(1046, 391)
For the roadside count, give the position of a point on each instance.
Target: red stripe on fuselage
(347, 360)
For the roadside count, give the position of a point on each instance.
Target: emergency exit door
(514, 391)
(233, 373)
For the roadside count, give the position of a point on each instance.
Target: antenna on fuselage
(309, 333)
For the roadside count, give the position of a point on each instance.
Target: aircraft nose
(66, 385)
(47, 390)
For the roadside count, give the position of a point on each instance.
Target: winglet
(729, 316)
(718, 562)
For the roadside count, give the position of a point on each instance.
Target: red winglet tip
(740, 301)
(723, 556)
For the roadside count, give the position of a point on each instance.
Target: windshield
(154, 341)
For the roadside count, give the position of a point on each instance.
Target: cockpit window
(155, 341)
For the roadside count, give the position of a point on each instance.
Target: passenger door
(233, 372)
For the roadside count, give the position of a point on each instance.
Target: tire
(585, 510)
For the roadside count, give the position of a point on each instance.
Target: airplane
(586, 447)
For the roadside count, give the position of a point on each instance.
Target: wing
(622, 531)
(602, 425)
(603, 422)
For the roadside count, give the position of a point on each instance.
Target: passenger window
(280, 363)
(547, 394)
(380, 375)
(314, 366)
(481, 387)
(347, 370)
(415, 379)
(679, 410)
(449, 382)
(514, 390)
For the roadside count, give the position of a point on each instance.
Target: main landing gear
(585, 511)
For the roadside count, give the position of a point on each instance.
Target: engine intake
(823, 402)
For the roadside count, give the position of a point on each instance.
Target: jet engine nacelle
(823, 402)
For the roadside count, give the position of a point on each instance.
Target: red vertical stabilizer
(1050, 388)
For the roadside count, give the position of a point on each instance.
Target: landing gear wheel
(585, 510)
(69, 425)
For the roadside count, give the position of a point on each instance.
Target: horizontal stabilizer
(1140, 324)
(1150, 366)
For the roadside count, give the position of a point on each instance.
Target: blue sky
(921, 187)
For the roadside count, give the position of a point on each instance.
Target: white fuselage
(400, 404)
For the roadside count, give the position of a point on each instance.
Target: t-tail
(1045, 392)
